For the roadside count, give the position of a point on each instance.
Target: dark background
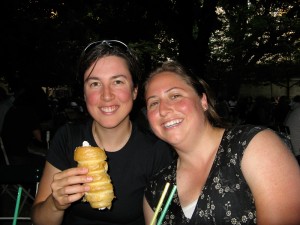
(227, 42)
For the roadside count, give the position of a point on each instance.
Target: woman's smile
(109, 109)
(172, 123)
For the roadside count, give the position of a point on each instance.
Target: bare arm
(148, 212)
(273, 176)
(57, 190)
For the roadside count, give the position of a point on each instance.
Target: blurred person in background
(292, 121)
(21, 125)
(6, 101)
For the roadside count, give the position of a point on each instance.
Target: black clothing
(225, 198)
(129, 168)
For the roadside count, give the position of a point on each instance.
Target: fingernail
(83, 169)
(89, 178)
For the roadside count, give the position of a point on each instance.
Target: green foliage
(220, 40)
(254, 35)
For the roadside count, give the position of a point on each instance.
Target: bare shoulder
(268, 147)
(268, 152)
(273, 176)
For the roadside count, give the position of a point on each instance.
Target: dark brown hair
(99, 49)
(198, 84)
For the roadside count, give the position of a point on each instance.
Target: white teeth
(172, 123)
(109, 109)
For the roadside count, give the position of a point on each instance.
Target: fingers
(71, 172)
(69, 186)
(72, 176)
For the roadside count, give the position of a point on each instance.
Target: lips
(109, 109)
(172, 123)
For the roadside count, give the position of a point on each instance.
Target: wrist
(55, 206)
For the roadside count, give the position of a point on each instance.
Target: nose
(164, 108)
(106, 94)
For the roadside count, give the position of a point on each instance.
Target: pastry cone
(101, 193)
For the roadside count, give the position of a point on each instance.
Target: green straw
(163, 213)
(17, 206)
(160, 203)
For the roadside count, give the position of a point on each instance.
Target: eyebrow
(91, 78)
(167, 91)
(147, 99)
(97, 78)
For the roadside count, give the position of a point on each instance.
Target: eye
(175, 96)
(118, 82)
(152, 104)
(95, 84)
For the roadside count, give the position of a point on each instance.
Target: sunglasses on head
(110, 43)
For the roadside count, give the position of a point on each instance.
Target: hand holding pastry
(68, 186)
(101, 191)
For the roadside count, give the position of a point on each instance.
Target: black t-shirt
(129, 168)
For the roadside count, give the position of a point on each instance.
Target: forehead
(108, 64)
(165, 82)
(166, 79)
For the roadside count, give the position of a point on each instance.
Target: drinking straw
(17, 206)
(162, 197)
(166, 207)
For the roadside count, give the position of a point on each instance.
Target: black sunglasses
(110, 43)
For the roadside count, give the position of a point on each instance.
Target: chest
(223, 197)
(190, 184)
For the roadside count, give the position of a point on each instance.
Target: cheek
(92, 98)
(153, 118)
(192, 110)
(185, 106)
(125, 96)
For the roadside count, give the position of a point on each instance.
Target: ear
(134, 93)
(204, 102)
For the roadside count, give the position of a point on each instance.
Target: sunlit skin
(173, 109)
(109, 92)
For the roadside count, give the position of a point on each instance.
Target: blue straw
(163, 213)
(17, 206)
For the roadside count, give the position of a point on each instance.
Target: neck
(202, 151)
(111, 139)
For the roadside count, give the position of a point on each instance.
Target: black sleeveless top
(226, 198)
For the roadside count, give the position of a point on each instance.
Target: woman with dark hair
(224, 175)
(110, 74)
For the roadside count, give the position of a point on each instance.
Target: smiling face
(108, 91)
(174, 109)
